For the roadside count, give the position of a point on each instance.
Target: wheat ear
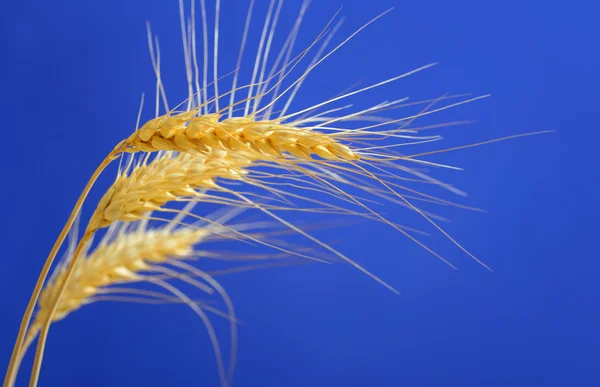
(169, 177)
(128, 257)
(116, 262)
(190, 131)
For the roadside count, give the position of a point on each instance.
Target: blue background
(72, 73)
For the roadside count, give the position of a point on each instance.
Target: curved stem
(39, 352)
(31, 335)
(12, 367)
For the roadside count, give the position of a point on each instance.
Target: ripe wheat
(220, 144)
(191, 131)
(118, 262)
(135, 253)
(150, 186)
(289, 141)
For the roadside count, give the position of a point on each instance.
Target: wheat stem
(15, 357)
(39, 352)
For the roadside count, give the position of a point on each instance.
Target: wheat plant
(196, 151)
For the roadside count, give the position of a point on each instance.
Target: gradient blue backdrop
(71, 76)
